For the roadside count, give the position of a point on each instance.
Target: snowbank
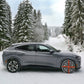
(58, 42)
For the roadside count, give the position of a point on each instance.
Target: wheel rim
(13, 66)
(68, 66)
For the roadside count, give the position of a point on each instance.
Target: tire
(13, 65)
(68, 66)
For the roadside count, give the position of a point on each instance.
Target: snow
(44, 77)
(58, 43)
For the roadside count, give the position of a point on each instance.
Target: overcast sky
(52, 10)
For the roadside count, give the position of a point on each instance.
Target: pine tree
(46, 32)
(27, 24)
(9, 24)
(17, 23)
(34, 16)
(23, 23)
(5, 24)
(38, 27)
(77, 19)
(67, 20)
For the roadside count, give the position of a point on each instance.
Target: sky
(52, 10)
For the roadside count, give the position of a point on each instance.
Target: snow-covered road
(43, 77)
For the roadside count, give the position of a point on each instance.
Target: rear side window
(27, 47)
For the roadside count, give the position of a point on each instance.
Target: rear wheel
(68, 66)
(13, 66)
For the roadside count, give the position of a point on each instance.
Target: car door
(43, 56)
(28, 54)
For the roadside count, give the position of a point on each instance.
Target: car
(40, 54)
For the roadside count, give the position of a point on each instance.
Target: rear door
(28, 54)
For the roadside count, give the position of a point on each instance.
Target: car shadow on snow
(79, 71)
(48, 69)
(40, 69)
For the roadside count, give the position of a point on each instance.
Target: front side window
(42, 48)
(26, 47)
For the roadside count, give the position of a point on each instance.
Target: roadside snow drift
(44, 77)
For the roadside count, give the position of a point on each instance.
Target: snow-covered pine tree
(46, 32)
(17, 23)
(38, 27)
(9, 24)
(77, 19)
(34, 17)
(67, 21)
(23, 31)
(5, 24)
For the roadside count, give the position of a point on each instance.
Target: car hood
(66, 54)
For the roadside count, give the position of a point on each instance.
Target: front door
(43, 56)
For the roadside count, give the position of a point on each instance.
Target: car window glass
(43, 48)
(26, 47)
(30, 48)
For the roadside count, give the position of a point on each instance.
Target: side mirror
(58, 50)
(51, 51)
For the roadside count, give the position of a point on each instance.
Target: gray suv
(23, 54)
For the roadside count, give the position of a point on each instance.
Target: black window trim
(17, 47)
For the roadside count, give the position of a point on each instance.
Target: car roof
(26, 43)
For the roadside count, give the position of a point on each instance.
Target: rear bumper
(4, 60)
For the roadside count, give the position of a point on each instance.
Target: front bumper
(78, 63)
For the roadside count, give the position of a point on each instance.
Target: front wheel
(13, 66)
(68, 66)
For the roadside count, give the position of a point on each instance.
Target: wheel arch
(18, 63)
(67, 59)
(14, 58)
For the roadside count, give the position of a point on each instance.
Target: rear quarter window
(26, 47)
